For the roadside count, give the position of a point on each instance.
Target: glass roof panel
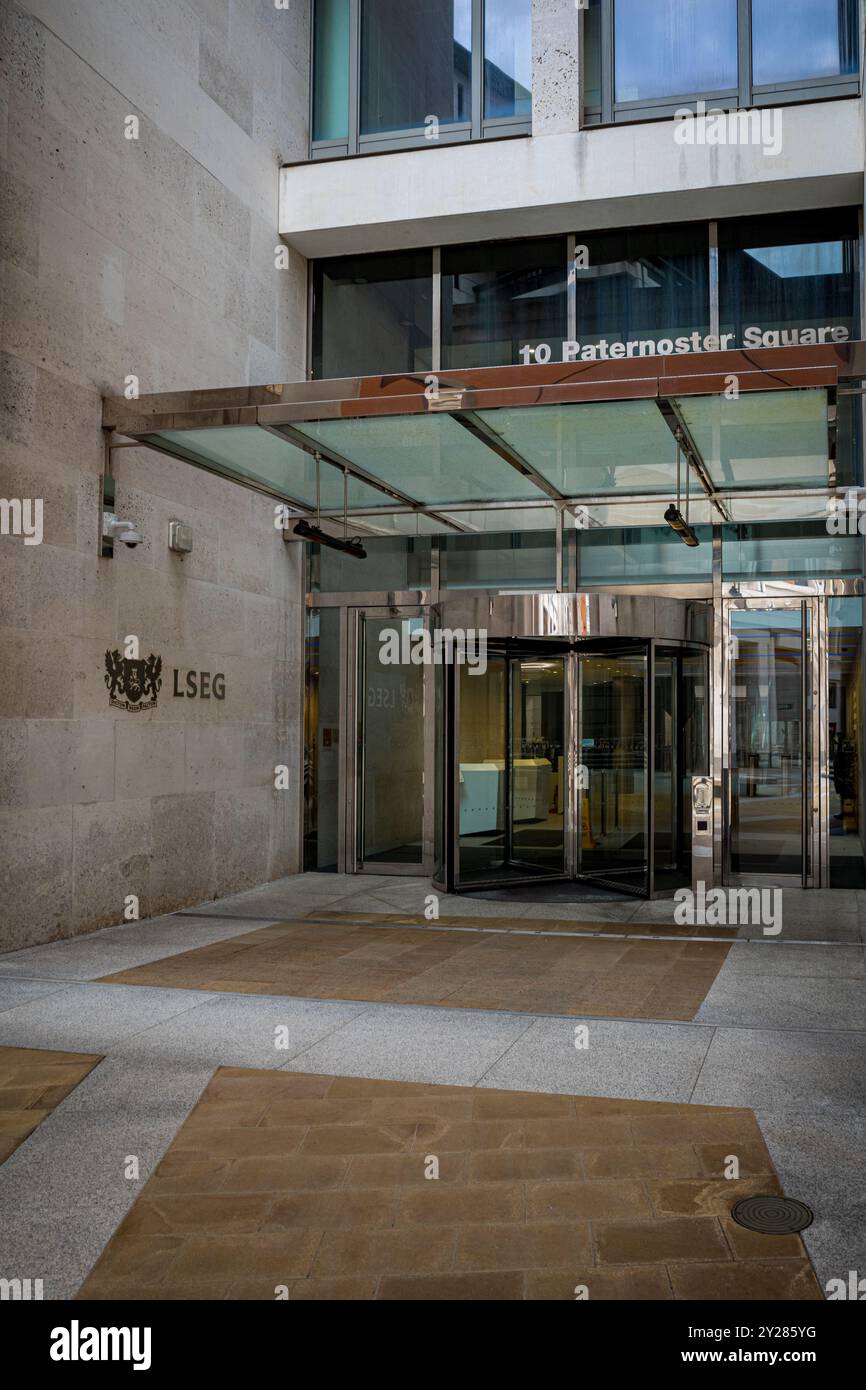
(429, 457)
(781, 508)
(246, 451)
(764, 438)
(593, 447)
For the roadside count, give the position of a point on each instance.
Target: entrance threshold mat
(33, 1082)
(505, 971)
(282, 1185)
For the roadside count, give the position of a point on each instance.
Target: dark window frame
(479, 127)
(747, 94)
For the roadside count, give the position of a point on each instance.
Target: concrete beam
(569, 181)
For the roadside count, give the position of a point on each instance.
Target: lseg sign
(134, 682)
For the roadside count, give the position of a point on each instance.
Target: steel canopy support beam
(487, 436)
(301, 441)
(673, 418)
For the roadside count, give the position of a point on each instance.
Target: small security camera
(125, 531)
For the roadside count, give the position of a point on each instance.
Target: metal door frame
(512, 658)
(814, 799)
(572, 794)
(628, 647)
(351, 771)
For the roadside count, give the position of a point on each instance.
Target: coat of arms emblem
(133, 684)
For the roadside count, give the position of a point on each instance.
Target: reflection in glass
(416, 62)
(536, 764)
(762, 439)
(593, 448)
(321, 743)
(392, 767)
(694, 736)
(768, 724)
(789, 550)
(507, 58)
(499, 296)
(430, 457)
(393, 563)
(481, 753)
(845, 671)
(519, 560)
(613, 749)
(647, 283)
(800, 39)
(642, 555)
(592, 54)
(784, 274)
(373, 314)
(666, 788)
(331, 70)
(671, 48)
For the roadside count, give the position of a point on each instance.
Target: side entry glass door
(393, 744)
(769, 715)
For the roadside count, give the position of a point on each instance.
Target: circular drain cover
(772, 1216)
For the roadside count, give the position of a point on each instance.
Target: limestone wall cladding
(153, 257)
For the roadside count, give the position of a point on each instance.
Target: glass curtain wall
(643, 282)
(373, 314)
(410, 73)
(499, 296)
(783, 281)
(780, 275)
(673, 52)
(416, 64)
(331, 70)
(507, 58)
(672, 47)
(801, 39)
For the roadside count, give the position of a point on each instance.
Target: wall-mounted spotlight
(344, 544)
(675, 518)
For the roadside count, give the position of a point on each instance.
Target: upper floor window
(642, 60)
(394, 74)
(777, 280)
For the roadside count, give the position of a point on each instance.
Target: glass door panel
(481, 764)
(845, 772)
(613, 750)
(536, 763)
(768, 739)
(391, 744)
(665, 790)
(695, 738)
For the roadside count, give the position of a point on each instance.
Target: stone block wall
(153, 257)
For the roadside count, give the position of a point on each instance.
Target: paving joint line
(542, 931)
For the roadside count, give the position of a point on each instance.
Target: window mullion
(607, 92)
(354, 74)
(744, 52)
(477, 69)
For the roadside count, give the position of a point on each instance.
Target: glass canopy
(763, 439)
(412, 467)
